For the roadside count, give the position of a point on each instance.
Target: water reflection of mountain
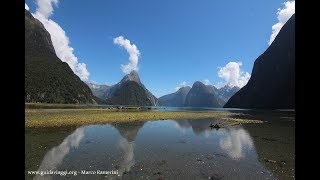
(128, 132)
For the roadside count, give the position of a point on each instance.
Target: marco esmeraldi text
(66, 172)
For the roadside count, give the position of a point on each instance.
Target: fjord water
(168, 149)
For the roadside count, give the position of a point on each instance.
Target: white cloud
(59, 38)
(182, 84)
(207, 82)
(45, 7)
(232, 75)
(133, 54)
(26, 6)
(283, 16)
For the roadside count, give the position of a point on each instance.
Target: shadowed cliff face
(272, 84)
(38, 38)
(47, 78)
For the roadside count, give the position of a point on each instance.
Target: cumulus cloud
(59, 38)
(133, 54)
(26, 6)
(284, 15)
(182, 84)
(232, 75)
(45, 7)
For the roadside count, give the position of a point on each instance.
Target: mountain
(212, 89)
(47, 78)
(176, 99)
(201, 95)
(100, 91)
(226, 92)
(272, 83)
(130, 91)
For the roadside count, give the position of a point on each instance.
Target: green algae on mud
(78, 117)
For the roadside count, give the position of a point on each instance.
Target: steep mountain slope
(201, 95)
(47, 78)
(100, 91)
(175, 99)
(272, 83)
(130, 91)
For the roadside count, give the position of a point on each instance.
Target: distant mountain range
(129, 91)
(176, 99)
(47, 78)
(199, 95)
(272, 83)
(226, 92)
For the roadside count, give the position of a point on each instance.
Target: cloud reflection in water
(55, 156)
(232, 140)
(235, 141)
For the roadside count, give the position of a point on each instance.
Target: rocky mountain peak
(132, 76)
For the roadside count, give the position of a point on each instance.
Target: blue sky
(178, 40)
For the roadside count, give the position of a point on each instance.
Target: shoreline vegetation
(63, 115)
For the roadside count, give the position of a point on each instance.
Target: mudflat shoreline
(47, 115)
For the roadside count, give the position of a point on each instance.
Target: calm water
(167, 149)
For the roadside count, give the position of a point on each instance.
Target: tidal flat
(152, 142)
(78, 117)
(167, 149)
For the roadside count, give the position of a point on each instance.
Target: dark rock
(214, 126)
(272, 83)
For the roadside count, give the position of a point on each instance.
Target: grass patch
(238, 120)
(55, 106)
(76, 106)
(78, 117)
